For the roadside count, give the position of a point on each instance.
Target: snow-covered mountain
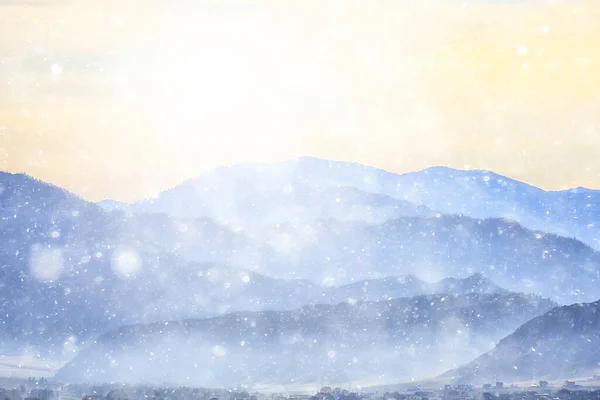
(69, 270)
(563, 343)
(57, 314)
(382, 341)
(308, 188)
(242, 201)
(432, 248)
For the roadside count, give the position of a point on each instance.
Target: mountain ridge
(564, 342)
(474, 193)
(353, 163)
(65, 259)
(221, 168)
(317, 343)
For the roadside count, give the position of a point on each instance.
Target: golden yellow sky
(122, 98)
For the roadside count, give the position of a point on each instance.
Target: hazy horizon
(159, 190)
(120, 99)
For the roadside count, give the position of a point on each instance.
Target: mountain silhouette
(71, 270)
(385, 340)
(563, 343)
(308, 187)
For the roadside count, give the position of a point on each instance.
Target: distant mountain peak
(580, 189)
(27, 183)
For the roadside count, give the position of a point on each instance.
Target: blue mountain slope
(239, 201)
(515, 257)
(382, 341)
(70, 269)
(563, 343)
(306, 188)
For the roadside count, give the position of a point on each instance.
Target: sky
(119, 99)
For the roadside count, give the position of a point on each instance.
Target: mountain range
(383, 340)
(71, 270)
(37, 216)
(279, 242)
(309, 188)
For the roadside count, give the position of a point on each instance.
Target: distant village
(42, 389)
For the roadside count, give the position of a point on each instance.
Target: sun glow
(208, 93)
(172, 89)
